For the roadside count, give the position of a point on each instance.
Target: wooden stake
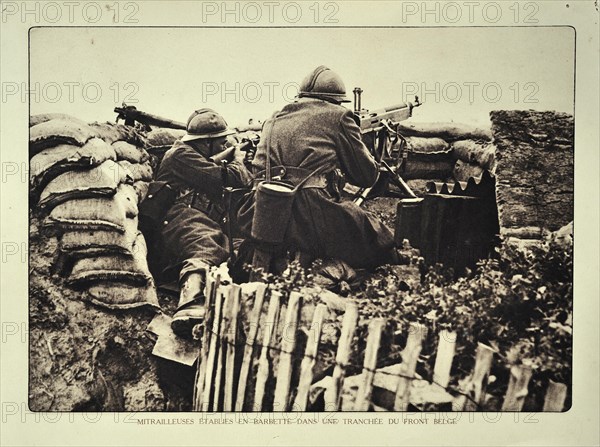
(333, 399)
(211, 286)
(475, 386)
(517, 388)
(363, 396)
(249, 349)
(410, 356)
(225, 316)
(288, 343)
(444, 357)
(230, 339)
(213, 347)
(310, 357)
(264, 363)
(555, 396)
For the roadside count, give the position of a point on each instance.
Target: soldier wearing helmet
(315, 138)
(192, 237)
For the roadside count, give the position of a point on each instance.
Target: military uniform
(312, 134)
(192, 237)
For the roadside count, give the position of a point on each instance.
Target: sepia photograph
(354, 219)
(299, 223)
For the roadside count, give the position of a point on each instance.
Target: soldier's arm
(356, 161)
(237, 174)
(198, 172)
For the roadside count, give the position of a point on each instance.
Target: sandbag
(482, 153)
(464, 171)
(122, 295)
(131, 270)
(420, 144)
(163, 136)
(136, 171)
(96, 213)
(433, 165)
(446, 131)
(86, 243)
(58, 131)
(111, 132)
(129, 152)
(43, 117)
(100, 181)
(53, 161)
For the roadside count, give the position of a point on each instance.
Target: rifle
(130, 114)
(379, 129)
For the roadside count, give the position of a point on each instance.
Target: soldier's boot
(190, 309)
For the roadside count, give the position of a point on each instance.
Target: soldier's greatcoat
(310, 134)
(193, 238)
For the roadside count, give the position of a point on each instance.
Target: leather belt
(201, 202)
(293, 176)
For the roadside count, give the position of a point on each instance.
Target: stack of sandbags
(132, 158)
(446, 151)
(88, 181)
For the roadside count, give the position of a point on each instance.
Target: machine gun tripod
(380, 134)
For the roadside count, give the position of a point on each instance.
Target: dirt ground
(87, 358)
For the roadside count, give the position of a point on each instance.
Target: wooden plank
(288, 343)
(211, 285)
(213, 347)
(475, 385)
(517, 388)
(226, 309)
(444, 357)
(363, 396)
(310, 356)
(556, 393)
(410, 356)
(264, 364)
(249, 349)
(230, 339)
(333, 398)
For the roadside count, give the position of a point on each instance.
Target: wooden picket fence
(222, 383)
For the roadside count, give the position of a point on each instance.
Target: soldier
(313, 138)
(192, 236)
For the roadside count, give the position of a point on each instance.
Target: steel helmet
(323, 83)
(206, 123)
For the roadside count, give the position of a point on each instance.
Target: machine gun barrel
(131, 114)
(371, 120)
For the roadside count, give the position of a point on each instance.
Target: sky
(460, 74)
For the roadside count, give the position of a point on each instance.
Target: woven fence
(236, 369)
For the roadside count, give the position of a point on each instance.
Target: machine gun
(130, 114)
(379, 129)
